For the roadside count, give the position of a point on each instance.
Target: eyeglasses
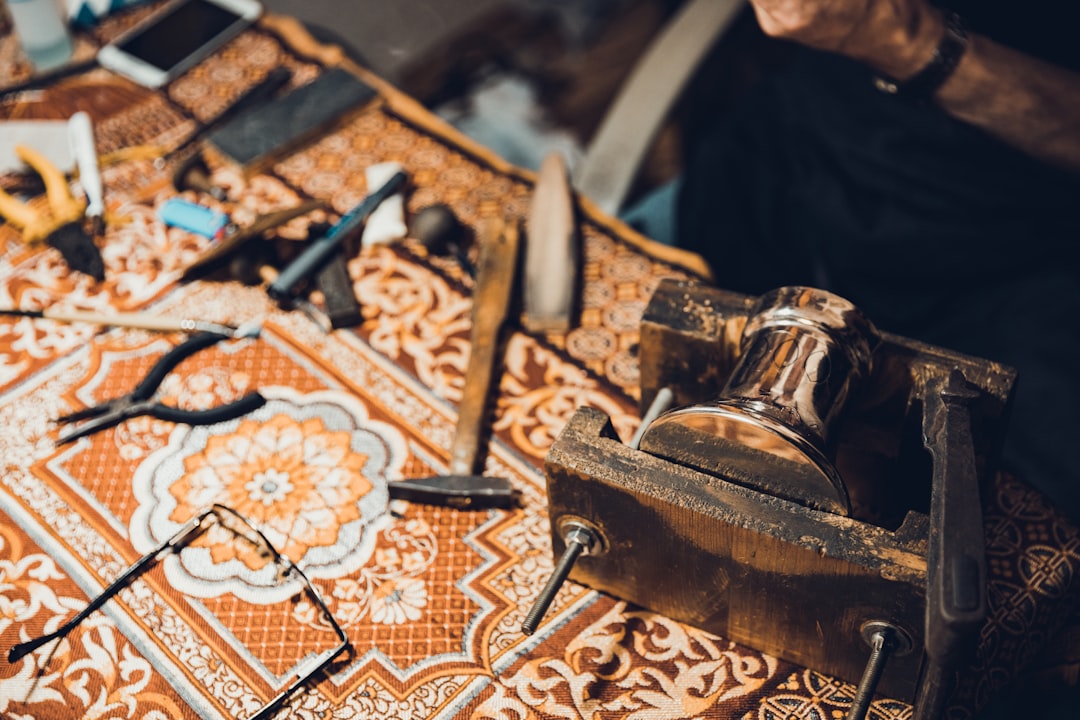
(242, 527)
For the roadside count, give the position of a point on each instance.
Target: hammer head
(465, 492)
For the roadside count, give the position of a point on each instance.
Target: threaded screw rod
(578, 539)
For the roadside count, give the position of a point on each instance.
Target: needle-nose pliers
(140, 401)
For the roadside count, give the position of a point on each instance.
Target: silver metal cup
(803, 350)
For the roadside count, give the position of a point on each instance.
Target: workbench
(431, 598)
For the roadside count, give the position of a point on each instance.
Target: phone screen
(179, 33)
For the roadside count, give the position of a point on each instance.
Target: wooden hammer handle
(496, 271)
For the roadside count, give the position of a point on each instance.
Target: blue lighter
(199, 219)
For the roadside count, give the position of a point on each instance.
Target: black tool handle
(170, 360)
(320, 250)
(956, 586)
(956, 592)
(251, 401)
(334, 282)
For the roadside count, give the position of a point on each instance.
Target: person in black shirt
(923, 162)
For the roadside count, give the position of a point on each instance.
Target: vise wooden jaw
(809, 586)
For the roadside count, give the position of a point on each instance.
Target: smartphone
(180, 35)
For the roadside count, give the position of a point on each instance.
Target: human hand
(896, 37)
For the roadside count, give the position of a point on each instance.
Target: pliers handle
(64, 207)
(118, 411)
(170, 360)
(138, 401)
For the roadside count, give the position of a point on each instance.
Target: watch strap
(923, 84)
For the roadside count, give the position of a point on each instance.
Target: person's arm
(1026, 102)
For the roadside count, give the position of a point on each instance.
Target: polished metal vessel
(803, 351)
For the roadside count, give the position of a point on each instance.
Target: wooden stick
(140, 320)
(495, 272)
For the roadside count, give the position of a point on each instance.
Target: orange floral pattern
(309, 471)
(265, 466)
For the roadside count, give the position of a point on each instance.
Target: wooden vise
(679, 536)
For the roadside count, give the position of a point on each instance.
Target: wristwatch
(922, 85)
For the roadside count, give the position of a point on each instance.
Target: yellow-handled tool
(61, 225)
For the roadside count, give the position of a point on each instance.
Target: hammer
(461, 486)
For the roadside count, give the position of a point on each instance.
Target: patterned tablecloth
(431, 598)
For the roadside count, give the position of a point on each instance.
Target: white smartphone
(180, 35)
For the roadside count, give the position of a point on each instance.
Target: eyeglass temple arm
(311, 666)
(304, 673)
(185, 535)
